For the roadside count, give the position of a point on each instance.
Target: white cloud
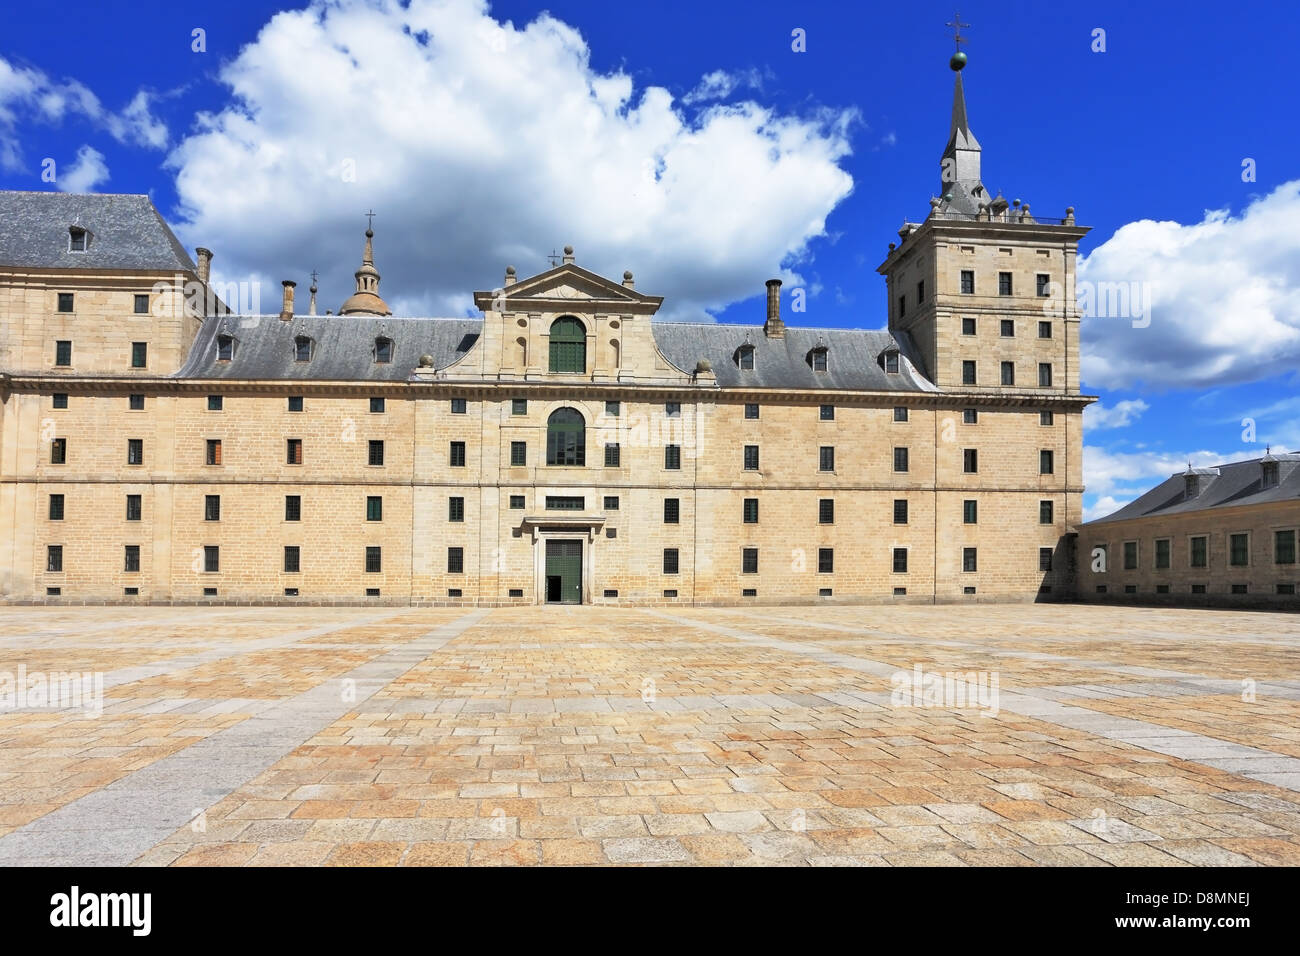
(720, 84)
(1103, 507)
(1097, 416)
(29, 93)
(481, 144)
(85, 173)
(1133, 472)
(1225, 298)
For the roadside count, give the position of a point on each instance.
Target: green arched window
(566, 437)
(568, 345)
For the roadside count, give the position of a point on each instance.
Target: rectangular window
(142, 303)
(970, 460)
(135, 402)
(295, 403)
(374, 508)
(212, 507)
(519, 406)
(611, 502)
(900, 511)
(1239, 589)
(969, 559)
(920, 292)
(826, 511)
(672, 510)
(59, 451)
(827, 458)
(900, 560)
(1046, 418)
(1284, 547)
(139, 354)
(1162, 553)
(673, 409)
(1046, 462)
(211, 559)
(1198, 588)
(750, 513)
(135, 451)
(970, 416)
(749, 560)
(518, 454)
(1199, 556)
(374, 559)
(1008, 373)
(377, 404)
(293, 451)
(517, 502)
(967, 282)
(825, 560)
(1043, 285)
(1044, 374)
(1044, 559)
(54, 557)
(751, 458)
(63, 352)
(1044, 330)
(1130, 555)
(1004, 283)
(613, 409)
(458, 406)
(751, 410)
(902, 306)
(293, 507)
(900, 459)
(1046, 512)
(968, 372)
(131, 558)
(56, 507)
(565, 503)
(65, 301)
(376, 455)
(215, 403)
(1238, 550)
(670, 560)
(457, 454)
(612, 454)
(456, 509)
(1008, 328)
(827, 413)
(900, 413)
(292, 556)
(819, 360)
(970, 511)
(134, 506)
(967, 326)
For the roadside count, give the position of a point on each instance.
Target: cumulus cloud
(720, 84)
(27, 93)
(1225, 298)
(1104, 506)
(480, 144)
(1097, 416)
(87, 171)
(1133, 472)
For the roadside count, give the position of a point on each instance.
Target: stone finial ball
(957, 62)
(426, 361)
(510, 270)
(568, 250)
(627, 275)
(704, 365)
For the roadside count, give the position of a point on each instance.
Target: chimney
(774, 328)
(205, 263)
(286, 309)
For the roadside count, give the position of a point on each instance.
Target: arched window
(302, 349)
(888, 360)
(383, 350)
(566, 437)
(225, 347)
(568, 345)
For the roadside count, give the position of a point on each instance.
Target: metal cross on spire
(956, 25)
(370, 219)
(314, 276)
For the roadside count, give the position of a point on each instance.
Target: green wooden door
(564, 572)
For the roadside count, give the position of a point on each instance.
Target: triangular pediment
(565, 287)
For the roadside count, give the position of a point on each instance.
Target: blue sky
(491, 143)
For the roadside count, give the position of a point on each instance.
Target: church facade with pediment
(566, 446)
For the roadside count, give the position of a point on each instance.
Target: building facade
(1212, 537)
(564, 447)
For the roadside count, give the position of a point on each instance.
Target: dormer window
(1191, 485)
(817, 358)
(383, 350)
(225, 348)
(1271, 474)
(78, 239)
(745, 358)
(302, 349)
(889, 361)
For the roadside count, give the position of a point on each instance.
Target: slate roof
(343, 350)
(1237, 483)
(126, 232)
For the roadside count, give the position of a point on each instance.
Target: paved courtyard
(1063, 735)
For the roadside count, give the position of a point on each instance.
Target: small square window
(827, 413)
(65, 302)
(900, 413)
(970, 416)
(142, 304)
(376, 404)
(673, 409)
(1044, 330)
(613, 409)
(60, 399)
(215, 403)
(1046, 418)
(751, 410)
(967, 326)
(372, 592)
(519, 406)
(611, 502)
(453, 592)
(749, 592)
(135, 402)
(519, 592)
(1008, 328)
(670, 593)
(458, 406)
(295, 403)
(517, 502)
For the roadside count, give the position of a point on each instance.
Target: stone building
(157, 447)
(1222, 536)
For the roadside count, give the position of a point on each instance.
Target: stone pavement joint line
(116, 824)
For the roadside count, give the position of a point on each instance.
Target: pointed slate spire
(961, 157)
